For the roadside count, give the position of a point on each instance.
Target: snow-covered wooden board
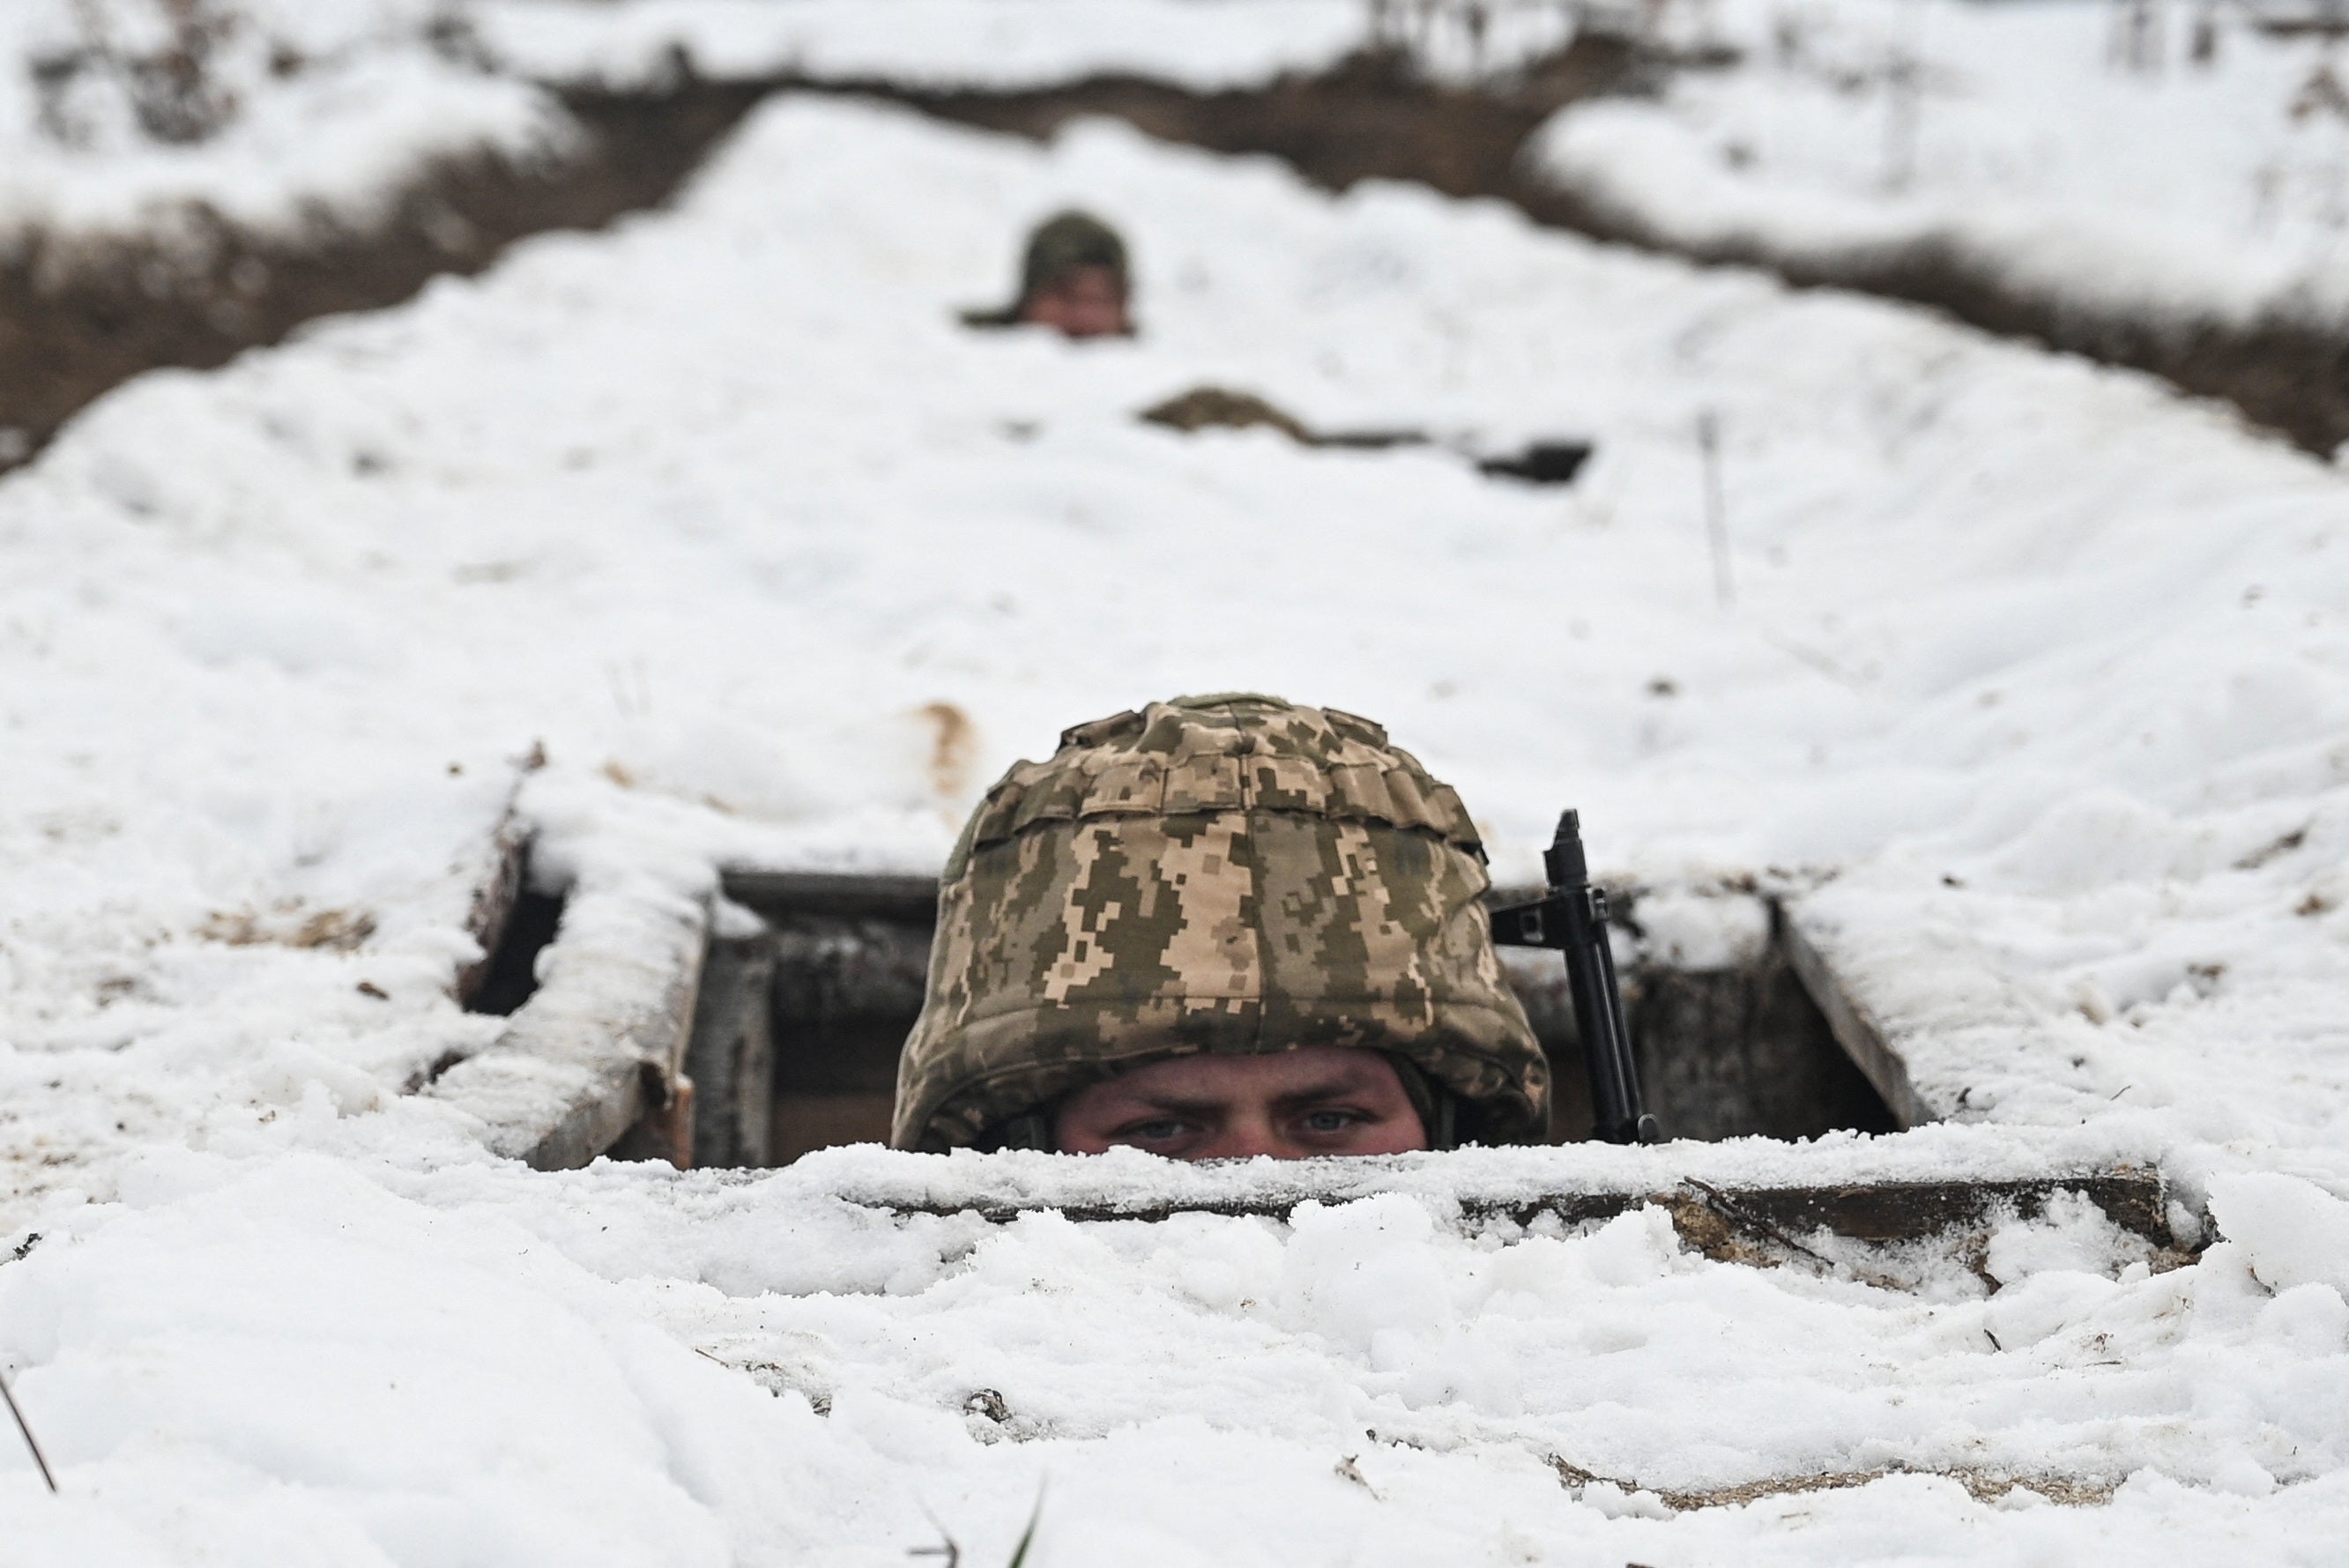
(601, 1045)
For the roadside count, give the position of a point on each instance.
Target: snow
(245, 1359)
(1206, 44)
(2290, 1230)
(614, 995)
(1695, 932)
(1472, 1181)
(2007, 136)
(314, 114)
(323, 112)
(2030, 702)
(726, 543)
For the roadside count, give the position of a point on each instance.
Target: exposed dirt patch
(69, 331)
(1371, 119)
(74, 325)
(1221, 409)
(1368, 119)
(289, 926)
(1986, 1486)
(2288, 374)
(954, 748)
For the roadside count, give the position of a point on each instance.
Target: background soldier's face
(1083, 302)
(1323, 1099)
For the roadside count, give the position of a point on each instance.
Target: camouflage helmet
(1064, 243)
(1235, 875)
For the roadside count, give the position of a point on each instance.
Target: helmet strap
(1029, 1130)
(1444, 1129)
(1438, 1107)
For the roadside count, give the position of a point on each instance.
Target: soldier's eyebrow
(1341, 1083)
(1160, 1102)
(1345, 1085)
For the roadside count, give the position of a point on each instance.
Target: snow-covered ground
(2019, 137)
(118, 117)
(2036, 673)
(1202, 44)
(273, 114)
(295, 1359)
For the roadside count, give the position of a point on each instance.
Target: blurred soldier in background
(1074, 278)
(1219, 927)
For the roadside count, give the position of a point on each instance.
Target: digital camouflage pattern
(1232, 874)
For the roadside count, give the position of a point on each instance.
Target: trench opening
(1724, 1050)
(797, 1033)
(511, 977)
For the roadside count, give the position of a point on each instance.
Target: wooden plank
(731, 1057)
(494, 896)
(1855, 1028)
(913, 900)
(663, 1129)
(601, 1045)
(1891, 1212)
(1872, 1211)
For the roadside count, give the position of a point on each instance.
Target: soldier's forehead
(1311, 1068)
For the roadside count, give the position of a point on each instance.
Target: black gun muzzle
(1571, 917)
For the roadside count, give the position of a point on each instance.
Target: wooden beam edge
(2136, 1198)
(598, 1046)
(1855, 1028)
(893, 895)
(494, 897)
(852, 894)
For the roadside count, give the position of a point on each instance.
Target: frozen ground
(324, 1360)
(118, 117)
(2036, 673)
(1202, 44)
(273, 114)
(2018, 137)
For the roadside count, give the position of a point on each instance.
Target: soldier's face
(1083, 302)
(1323, 1099)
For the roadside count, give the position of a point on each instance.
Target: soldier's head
(1074, 278)
(1224, 925)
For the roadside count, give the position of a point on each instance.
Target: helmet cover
(1230, 874)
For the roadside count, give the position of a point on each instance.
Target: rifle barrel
(1615, 1100)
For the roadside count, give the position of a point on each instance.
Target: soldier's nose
(1245, 1138)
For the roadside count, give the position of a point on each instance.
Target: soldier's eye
(1329, 1120)
(1157, 1130)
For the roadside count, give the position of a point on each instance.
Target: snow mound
(245, 1360)
(282, 117)
(2007, 142)
(1206, 44)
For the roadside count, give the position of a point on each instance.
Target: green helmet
(1235, 875)
(1059, 246)
(1064, 243)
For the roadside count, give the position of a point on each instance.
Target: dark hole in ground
(1542, 463)
(513, 973)
(796, 1038)
(1722, 1052)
